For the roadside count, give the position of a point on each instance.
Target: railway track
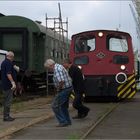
(95, 124)
(105, 121)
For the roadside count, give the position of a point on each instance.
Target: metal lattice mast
(63, 34)
(58, 26)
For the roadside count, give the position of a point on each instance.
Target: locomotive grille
(128, 89)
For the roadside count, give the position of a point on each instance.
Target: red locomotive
(107, 60)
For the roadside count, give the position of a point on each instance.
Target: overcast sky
(82, 15)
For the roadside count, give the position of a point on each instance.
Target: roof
(101, 30)
(33, 26)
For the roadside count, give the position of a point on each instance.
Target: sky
(82, 15)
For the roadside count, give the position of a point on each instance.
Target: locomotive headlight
(80, 67)
(123, 67)
(121, 77)
(100, 34)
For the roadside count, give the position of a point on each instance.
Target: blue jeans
(60, 106)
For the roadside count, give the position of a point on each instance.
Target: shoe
(77, 117)
(62, 125)
(9, 119)
(68, 122)
(86, 113)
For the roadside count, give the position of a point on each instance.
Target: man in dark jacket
(8, 78)
(78, 86)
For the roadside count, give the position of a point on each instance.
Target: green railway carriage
(31, 42)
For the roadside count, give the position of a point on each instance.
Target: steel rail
(95, 124)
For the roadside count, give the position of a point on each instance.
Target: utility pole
(136, 4)
(136, 21)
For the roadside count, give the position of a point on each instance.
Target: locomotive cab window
(117, 44)
(83, 45)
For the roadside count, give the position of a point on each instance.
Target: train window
(61, 55)
(81, 60)
(68, 55)
(119, 59)
(57, 54)
(118, 44)
(83, 45)
(51, 54)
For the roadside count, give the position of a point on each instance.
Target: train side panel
(32, 43)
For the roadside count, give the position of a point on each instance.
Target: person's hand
(16, 68)
(13, 85)
(58, 89)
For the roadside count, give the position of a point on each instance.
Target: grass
(74, 136)
(24, 101)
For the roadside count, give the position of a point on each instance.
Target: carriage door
(39, 52)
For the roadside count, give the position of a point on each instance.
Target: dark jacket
(77, 79)
(7, 68)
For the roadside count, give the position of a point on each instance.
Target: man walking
(63, 86)
(78, 86)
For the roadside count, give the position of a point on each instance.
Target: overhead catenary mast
(58, 26)
(61, 32)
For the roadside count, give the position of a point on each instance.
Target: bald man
(8, 78)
